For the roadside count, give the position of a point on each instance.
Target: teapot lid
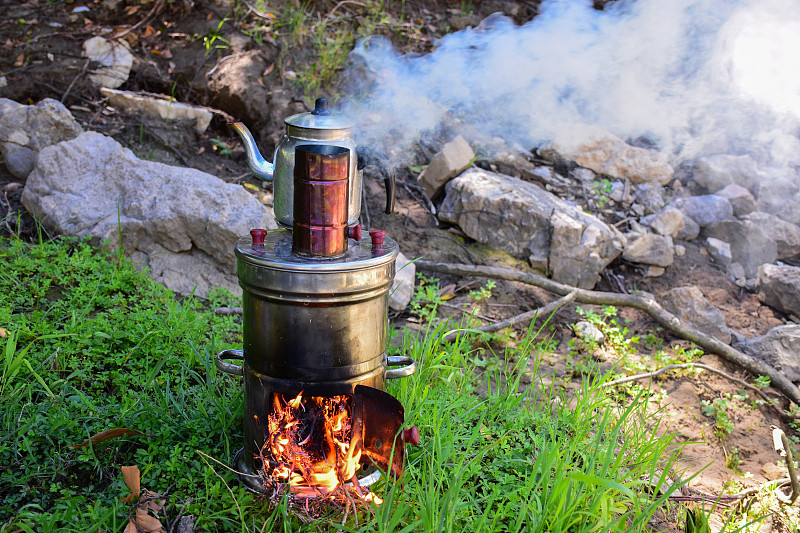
(319, 119)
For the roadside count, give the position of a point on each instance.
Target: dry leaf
(147, 522)
(20, 60)
(131, 527)
(448, 296)
(132, 479)
(106, 435)
(3, 332)
(269, 69)
(251, 187)
(149, 30)
(154, 501)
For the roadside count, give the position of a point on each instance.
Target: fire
(310, 445)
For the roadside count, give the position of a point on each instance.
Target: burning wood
(311, 446)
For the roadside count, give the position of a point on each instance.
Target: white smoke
(691, 76)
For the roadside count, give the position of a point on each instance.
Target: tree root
(651, 307)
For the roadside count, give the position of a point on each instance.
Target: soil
(40, 57)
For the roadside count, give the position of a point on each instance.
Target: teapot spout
(261, 168)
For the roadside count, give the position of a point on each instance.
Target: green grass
(93, 345)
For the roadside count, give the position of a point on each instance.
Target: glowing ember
(310, 446)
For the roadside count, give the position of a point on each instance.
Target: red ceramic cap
(377, 235)
(354, 232)
(258, 235)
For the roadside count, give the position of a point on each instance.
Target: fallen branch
(651, 307)
(522, 318)
(727, 376)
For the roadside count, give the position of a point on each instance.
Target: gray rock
(706, 209)
(750, 244)
(718, 171)
(528, 222)
(158, 106)
(191, 272)
(235, 87)
(650, 196)
(596, 149)
(177, 217)
(742, 202)
(689, 231)
(649, 249)
(589, 332)
(779, 194)
(779, 347)
(7, 105)
(403, 284)
(736, 271)
(785, 234)
(24, 130)
(450, 161)
(668, 222)
(779, 287)
(720, 252)
(691, 307)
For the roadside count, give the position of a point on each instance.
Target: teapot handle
(389, 181)
(370, 156)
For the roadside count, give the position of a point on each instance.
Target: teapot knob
(321, 107)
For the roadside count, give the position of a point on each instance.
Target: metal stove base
(255, 482)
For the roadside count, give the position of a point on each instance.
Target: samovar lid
(276, 254)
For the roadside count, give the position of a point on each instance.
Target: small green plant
(733, 460)
(426, 299)
(483, 293)
(212, 40)
(718, 410)
(220, 147)
(762, 382)
(602, 191)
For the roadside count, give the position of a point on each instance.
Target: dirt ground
(40, 57)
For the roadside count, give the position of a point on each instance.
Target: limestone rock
(742, 202)
(589, 332)
(403, 284)
(668, 222)
(718, 171)
(706, 209)
(114, 58)
(163, 107)
(692, 308)
(597, 149)
(779, 287)
(720, 252)
(785, 234)
(779, 347)
(750, 244)
(649, 249)
(24, 130)
(690, 229)
(528, 222)
(89, 185)
(779, 194)
(650, 196)
(452, 160)
(235, 87)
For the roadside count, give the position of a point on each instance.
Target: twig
(156, 6)
(782, 447)
(651, 307)
(227, 311)
(81, 73)
(256, 12)
(727, 376)
(464, 310)
(525, 317)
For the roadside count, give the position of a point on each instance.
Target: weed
(483, 293)
(426, 299)
(718, 410)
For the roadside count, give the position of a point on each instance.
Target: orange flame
(310, 445)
